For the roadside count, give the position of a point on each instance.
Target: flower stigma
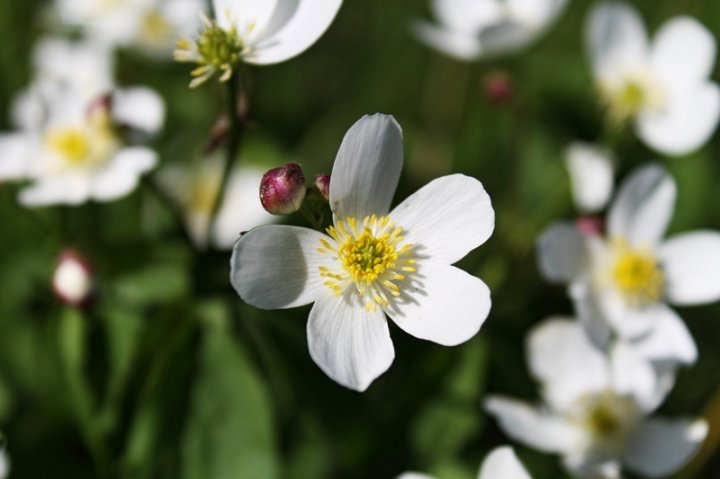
(638, 276)
(372, 257)
(607, 416)
(216, 49)
(82, 145)
(631, 96)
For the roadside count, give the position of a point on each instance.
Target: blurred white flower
(591, 175)
(78, 152)
(471, 29)
(195, 190)
(596, 408)
(622, 283)
(665, 87)
(81, 69)
(151, 26)
(255, 31)
(72, 280)
(500, 463)
(373, 262)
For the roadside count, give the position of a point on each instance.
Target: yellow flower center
(372, 258)
(155, 28)
(638, 277)
(636, 93)
(71, 143)
(82, 145)
(607, 416)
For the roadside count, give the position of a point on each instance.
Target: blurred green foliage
(170, 375)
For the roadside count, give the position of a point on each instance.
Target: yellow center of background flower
(638, 277)
(155, 29)
(372, 258)
(83, 145)
(607, 416)
(71, 143)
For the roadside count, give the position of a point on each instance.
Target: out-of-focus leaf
(468, 379)
(155, 284)
(311, 457)
(442, 429)
(452, 469)
(229, 433)
(71, 337)
(143, 435)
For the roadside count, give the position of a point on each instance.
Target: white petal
(562, 358)
(467, 15)
(669, 341)
(534, 428)
(502, 463)
(367, 168)
(243, 13)
(441, 303)
(506, 36)
(627, 321)
(589, 313)
(562, 253)
(4, 464)
(591, 175)
(683, 52)
(691, 263)
(414, 475)
(241, 209)
(277, 267)
(17, 153)
(616, 40)
(535, 13)
(122, 174)
(455, 43)
(350, 345)
(71, 189)
(660, 446)
(687, 121)
(303, 23)
(447, 218)
(633, 375)
(140, 108)
(643, 207)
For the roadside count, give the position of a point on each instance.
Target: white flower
(664, 87)
(77, 152)
(259, 32)
(151, 26)
(622, 283)
(81, 69)
(591, 175)
(195, 190)
(471, 29)
(374, 262)
(500, 463)
(596, 408)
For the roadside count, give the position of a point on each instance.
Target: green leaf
(155, 284)
(229, 433)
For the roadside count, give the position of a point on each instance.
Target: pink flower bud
(499, 87)
(72, 280)
(589, 225)
(322, 183)
(282, 189)
(99, 107)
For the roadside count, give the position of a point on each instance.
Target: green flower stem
(233, 144)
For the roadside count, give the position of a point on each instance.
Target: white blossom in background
(596, 408)
(373, 262)
(150, 26)
(591, 169)
(500, 463)
(4, 464)
(81, 69)
(195, 190)
(79, 152)
(256, 32)
(664, 88)
(472, 29)
(622, 283)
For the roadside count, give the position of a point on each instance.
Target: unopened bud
(282, 189)
(322, 183)
(72, 280)
(99, 107)
(499, 87)
(589, 225)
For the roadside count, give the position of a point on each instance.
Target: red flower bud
(72, 280)
(282, 189)
(322, 183)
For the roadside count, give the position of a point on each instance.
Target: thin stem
(233, 144)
